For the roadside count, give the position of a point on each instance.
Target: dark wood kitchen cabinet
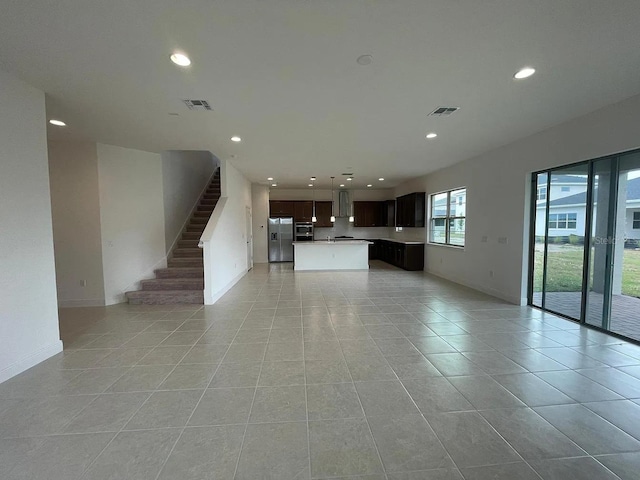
(402, 255)
(303, 211)
(389, 213)
(281, 208)
(369, 214)
(323, 215)
(300, 210)
(410, 210)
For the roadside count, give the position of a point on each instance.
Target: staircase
(183, 279)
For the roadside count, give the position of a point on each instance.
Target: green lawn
(565, 271)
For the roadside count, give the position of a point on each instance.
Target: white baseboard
(28, 361)
(97, 302)
(211, 298)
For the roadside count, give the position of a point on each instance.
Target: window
(542, 193)
(448, 215)
(636, 220)
(563, 220)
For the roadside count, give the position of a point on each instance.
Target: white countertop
(333, 242)
(401, 241)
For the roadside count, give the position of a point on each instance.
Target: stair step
(193, 243)
(204, 213)
(197, 227)
(211, 196)
(180, 272)
(165, 297)
(185, 262)
(173, 284)
(191, 236)
(187, 252)
(199, 220)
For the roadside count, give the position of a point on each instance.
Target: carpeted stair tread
(184, 262)
(173, 284)
(165, 297)
(194, 252)
(180, 272)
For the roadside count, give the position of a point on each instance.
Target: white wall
(260, 217)
(28, 307)
(132, 218)
(224, 238)
(185, 174)
(498, 192)
(75, 208)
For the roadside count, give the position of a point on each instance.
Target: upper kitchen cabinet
(281, 208)
(323, 215)
(389, 213)
(369, 214)
(410, 210)
(303, 211)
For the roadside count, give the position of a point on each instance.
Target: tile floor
(380, 375)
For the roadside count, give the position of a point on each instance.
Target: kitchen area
(348, 233)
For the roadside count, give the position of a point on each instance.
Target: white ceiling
(282, 74)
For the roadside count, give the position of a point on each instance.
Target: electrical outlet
(502, 240)
(484, 239)
(83, 283)
(491, 273)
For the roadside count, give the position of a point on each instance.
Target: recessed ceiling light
(432, 135)
(524, 73)
(270, 178)
(274, 184)
(180, 59)
(381, 179)
(236, 139)
(312, 178)
(349, 179)
(342, 184)
(58, 123)
(311, 184)
(369, 185)
(364, 59)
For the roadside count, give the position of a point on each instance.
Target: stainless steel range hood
(344, 203)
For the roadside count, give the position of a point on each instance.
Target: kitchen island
(324, 255)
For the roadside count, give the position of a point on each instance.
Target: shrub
(576, 240)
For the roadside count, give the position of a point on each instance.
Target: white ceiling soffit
(283, 75)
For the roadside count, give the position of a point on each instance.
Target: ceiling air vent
(197, 104)
(443, 111)
(348, 174)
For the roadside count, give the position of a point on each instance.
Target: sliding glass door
(585, 253)
(560, 223)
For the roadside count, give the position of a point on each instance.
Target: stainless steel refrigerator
(280, 239)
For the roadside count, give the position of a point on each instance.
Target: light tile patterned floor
(380, 375)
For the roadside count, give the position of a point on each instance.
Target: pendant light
(314, 219)
(333, 217)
